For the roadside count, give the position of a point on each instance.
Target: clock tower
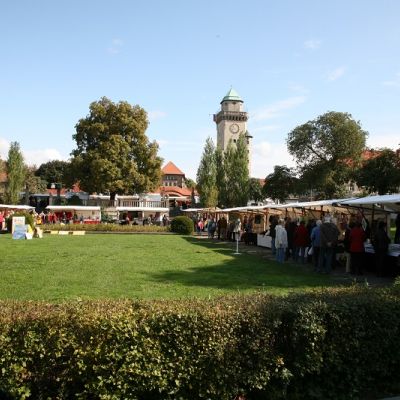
(231, 122)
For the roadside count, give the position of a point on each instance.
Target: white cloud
(312, 44)
(266, 128)
(336, 73)
(4, 146)
(266, 155)
(37, 157)
(393, 83)
(388, 139)
(153, 115)
(115, 47)
(275, 110)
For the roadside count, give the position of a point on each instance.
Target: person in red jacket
(357, 239)
(301, 241)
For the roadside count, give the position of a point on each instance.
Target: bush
(338, 344)
(182, 225)
(105, 227)
(29, 220)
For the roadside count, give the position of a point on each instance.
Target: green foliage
(33, 183)
(381, 173)
(105, 227)
(190, 183)
(326, 151)
(15, 174)
(236, 167)
(53, 171)
(280, 184)
(113, 153)
(340, 345)
(206, 176)
(255, 190)
(29, 220)
(182, 225)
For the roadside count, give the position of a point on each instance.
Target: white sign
(17, 221)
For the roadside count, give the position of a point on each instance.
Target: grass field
(58, 268)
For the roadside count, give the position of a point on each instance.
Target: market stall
(73, 214)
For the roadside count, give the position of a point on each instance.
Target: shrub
(338, 344)
(105, 227)
(28, 219)
(182, 225)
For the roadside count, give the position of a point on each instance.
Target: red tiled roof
(171, 169)
(3, 177)
(176, 190)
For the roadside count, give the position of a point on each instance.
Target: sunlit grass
(58, 268)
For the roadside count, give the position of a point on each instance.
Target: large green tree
(280, 184)
(113, 153)
(326, 151)
(16, 173)
(206, 176)
(53, 171)
(381, 173)
(221, 178)
(236, 166)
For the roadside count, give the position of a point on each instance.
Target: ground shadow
(252, 269)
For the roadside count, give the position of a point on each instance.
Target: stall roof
(73, 208)
(15, 207)
(390, 201)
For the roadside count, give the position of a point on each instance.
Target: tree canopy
(326, 150)
(53, 171)
(381, 173)
(15, 174)
(206, 176)
(113, 153)
(280, 184)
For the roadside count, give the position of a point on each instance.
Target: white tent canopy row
(147, 209)
(73, 208)
(390, 202)
(15, 207)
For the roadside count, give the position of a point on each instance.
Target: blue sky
(289, 60)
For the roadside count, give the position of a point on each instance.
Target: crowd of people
(324, 243)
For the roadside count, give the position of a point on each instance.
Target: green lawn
(58, 268)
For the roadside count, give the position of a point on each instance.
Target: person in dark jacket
(329, 234)
(357, 239)
(381, 246)
(301, 240)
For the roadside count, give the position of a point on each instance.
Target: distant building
(174, 187)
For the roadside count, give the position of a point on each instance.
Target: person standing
(381, 246)
(357, 239)
(316, 244)
(281, 241)
(301, 240)
(329, 238)
(272, 233)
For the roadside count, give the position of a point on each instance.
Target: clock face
(234, 128)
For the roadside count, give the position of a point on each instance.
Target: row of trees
(113, 155)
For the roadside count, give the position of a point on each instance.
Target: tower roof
(232, 95)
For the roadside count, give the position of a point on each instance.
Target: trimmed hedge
(105, 228)
(335, 344)
(182, 225)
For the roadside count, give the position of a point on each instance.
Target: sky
(290, 61)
